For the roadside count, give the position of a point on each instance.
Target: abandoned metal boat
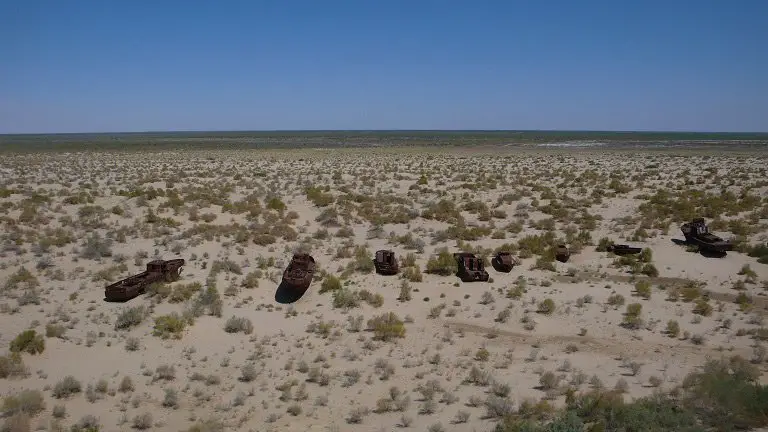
(385, 262)
(504, 262)
(562, 253)
(298, 275)
(470, 268)
(622, 249)
(157, 271)
(697, 233)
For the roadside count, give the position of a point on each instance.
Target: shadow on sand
(106, 300)
(704, 252)
(286, 295)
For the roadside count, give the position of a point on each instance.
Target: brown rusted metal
(504, 262)
(157, 271)
(697, 233)
(471, 268)
(562, 253)
(623, 249)
(298, 275)
(385, 262)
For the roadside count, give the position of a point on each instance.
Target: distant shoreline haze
(374, 138)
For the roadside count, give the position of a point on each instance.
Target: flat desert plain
(420, 350)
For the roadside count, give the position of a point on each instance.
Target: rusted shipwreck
(504, 262)
(298, 275)
(623, 249)
(131, 287)
(385, 262)
(470, 268)
(697, 233)
(562, 253)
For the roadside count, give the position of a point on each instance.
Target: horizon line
(381, 130)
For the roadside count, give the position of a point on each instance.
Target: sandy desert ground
(215, 351)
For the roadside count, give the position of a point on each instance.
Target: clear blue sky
(140, 65)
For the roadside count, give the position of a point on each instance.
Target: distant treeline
(148, 141)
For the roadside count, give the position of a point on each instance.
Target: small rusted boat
(504, 262)
(470, 268)
(298, 275)
(697, 233)
(131, 287)
(385, 262)
(622, 249)
(562, 253)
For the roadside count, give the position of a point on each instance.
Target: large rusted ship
(504, 262)
(623, 249)
(131, 287)
(298, 275)
(697, 233)
(471, 268)
(385, 262)
(562, 253)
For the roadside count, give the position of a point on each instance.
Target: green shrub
(12, 366)
(346, 298)
(238, 324)
(615, 300)
(545, 263)
(55, 330)
(632, 318)
(646, 255)
(130, 317)
(387, 326)
(690, 292)
(413, 273)
(444, 264)
(276, 204)
(760, 252)
(23, 278)
(362, 262)
(28, 341)
(375, 300)
(252, 280)
(330, 283)
(482, 355)
(169, 326)
(30, 402)
(66, 387)
(602, 245)
(673, 329)
(546, 307)
(318, 197)
(183, 292)
(643, 289)
(702, 307)
(405, 291)
(650, 270)
(208, 301)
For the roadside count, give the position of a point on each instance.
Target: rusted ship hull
(562, 254)
(622, 249)
(715, 244)
(696, 233)
(172, 270)
(385, 263)
(133, 286)
(297, 277)
(130, 288)
(474, 276)
(386, 270)
(470, 268)
(504, 262)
